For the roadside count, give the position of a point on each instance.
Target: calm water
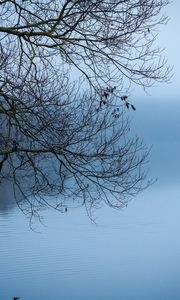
(132, 254)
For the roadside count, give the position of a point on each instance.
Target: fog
(131, 254)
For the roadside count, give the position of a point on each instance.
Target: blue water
(131, 254)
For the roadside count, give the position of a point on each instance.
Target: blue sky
(168, 39)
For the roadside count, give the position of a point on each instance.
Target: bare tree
(65, 138)
(103, 39)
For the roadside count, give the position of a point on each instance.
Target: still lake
(132, 254)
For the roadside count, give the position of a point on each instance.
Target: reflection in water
(7, 201)
(133, 254)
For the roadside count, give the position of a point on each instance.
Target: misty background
(132, 254)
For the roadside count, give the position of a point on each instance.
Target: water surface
(131, 254)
